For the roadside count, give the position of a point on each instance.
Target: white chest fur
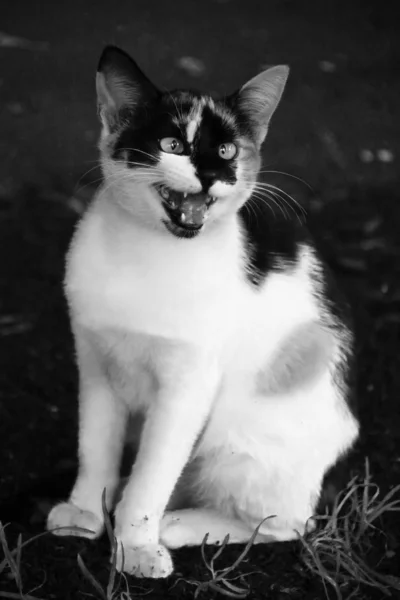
(122, 276)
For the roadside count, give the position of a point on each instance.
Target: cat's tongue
(191, 209)
(194, 208)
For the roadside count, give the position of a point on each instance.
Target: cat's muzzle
(187, 211)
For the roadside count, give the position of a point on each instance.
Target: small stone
(13, 41)
(15, 108)
(194, 66)
(372, 225)
(384, 288)
(366, 156)
(384, 155)
(327, 66)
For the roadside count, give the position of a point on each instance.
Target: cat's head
(181, 161)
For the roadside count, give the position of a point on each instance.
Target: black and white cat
(196, 305)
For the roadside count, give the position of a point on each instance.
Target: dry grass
(221, 580)
(116, 580)
(336, 552)
(10, 566)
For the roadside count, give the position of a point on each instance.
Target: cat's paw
(151, 560)
(67, 519)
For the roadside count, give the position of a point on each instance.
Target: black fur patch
(213, 132)
(143, 129)
(138, 142)
(272, 239)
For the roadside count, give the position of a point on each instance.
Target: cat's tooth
(164, 192)
(183, 218)
(185, 195)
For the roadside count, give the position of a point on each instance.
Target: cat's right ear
(259, 97)
(121, 87)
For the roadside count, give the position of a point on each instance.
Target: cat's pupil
(174, 144)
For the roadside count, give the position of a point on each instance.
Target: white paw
(152, 560)
(70, 518)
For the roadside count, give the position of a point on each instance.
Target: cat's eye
(227, 151)
(171, 145)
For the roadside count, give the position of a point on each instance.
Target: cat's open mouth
(187, 212)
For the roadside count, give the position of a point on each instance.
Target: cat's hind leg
(188, 527)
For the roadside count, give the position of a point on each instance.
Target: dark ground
(341, 102)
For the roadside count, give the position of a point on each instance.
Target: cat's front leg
(102, 420)
(173, 423)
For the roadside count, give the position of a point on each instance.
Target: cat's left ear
(259, 97)
(121, 87)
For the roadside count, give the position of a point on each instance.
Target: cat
(196, 304)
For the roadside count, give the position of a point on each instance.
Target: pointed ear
(259, 97)
(121, 87)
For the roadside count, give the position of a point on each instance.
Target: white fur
(191, 130)
(179, 173)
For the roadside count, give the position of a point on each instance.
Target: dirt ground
(337, 128)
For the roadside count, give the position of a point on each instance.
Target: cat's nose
(207, 178)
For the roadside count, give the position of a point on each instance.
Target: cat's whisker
(77, 186)
(139, 170)
(282, 203)
(139, 150)
(287, 203)
(140, 166)
(145, 177)
(280, 191)
(115, 182)
(288, 175)
(250, 208)
(287, 195)
(94, 182)
(279, 202)
(179, 112)
(263, 199)
(97, 166)
(278, 198)
(256, 207)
